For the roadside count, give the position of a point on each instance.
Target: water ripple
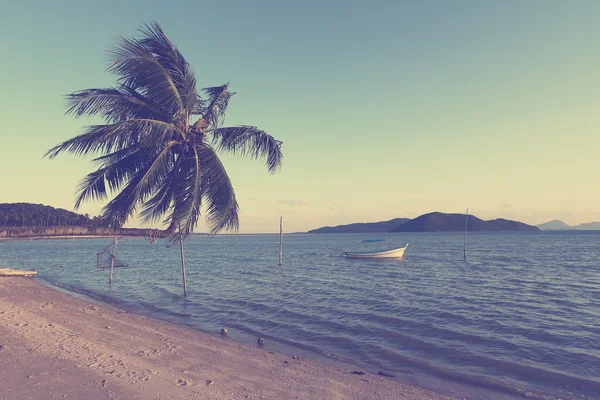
(520, 319)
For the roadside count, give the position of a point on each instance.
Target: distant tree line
(27, 214)
(31, 220)
(49, 231)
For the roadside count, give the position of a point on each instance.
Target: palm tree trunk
(183, 267)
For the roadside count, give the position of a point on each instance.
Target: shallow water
(520, 318)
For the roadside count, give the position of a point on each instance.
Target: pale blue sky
(386, 109)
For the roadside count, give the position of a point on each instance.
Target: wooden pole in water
(112, 261)
(183, 267)
(280, 241)
(465, 237)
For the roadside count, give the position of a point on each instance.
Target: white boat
(397, 252)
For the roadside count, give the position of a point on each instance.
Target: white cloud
(298, 202)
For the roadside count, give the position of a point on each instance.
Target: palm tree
(157, 152)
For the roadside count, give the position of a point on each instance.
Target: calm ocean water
(520, 318)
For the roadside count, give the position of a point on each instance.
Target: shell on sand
(15, 272)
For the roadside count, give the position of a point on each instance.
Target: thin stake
(280, 241)
(465, 238)
(112, 261)
(183, 267)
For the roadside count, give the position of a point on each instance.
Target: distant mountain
(590, 226)
(554, 225)
(440, 222)
(557, 225)
(432, 222)
(501, 224)
(366, 227)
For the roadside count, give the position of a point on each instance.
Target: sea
(518, 319)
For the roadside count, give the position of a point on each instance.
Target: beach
(54, 345)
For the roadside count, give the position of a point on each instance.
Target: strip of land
(57, 237)
(53, 345)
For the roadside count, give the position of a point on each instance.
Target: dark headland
(431, 222)
(27, 220)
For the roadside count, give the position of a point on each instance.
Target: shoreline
(61, 237)
(57, 343)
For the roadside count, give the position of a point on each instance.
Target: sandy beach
(53, 345)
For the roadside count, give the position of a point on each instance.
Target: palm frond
(139, 187)
(249, 141)
(112, 104)
(221, 205)
(160, 202)
(187, 197)
(216, 105)
(115, 137)
(115, 156)
(92, 187)
(114, 170)
(172, 61)
(158, 170)
(138, 68)
(122, 206)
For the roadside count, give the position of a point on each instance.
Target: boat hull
(393, 253)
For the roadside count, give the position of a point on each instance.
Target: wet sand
(56, 346)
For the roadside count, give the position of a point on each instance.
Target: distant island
(19, 220)
(556, 225)
(431, 222)
(440, 222)
(367, 227)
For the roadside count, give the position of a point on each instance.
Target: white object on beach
(397, 252)
(15, 272)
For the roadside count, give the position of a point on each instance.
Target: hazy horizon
(386, 111)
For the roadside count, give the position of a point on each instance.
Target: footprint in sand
(181, 382)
